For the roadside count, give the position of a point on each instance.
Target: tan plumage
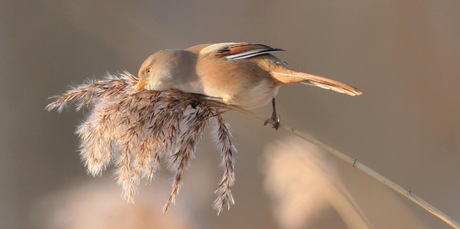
(241, 74)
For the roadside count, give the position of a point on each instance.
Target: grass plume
(136, 130)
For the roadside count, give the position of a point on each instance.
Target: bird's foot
(274, 121)
(199, 98)
(195, 103)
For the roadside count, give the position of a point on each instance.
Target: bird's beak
(140, 84)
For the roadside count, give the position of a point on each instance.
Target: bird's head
(158, 71)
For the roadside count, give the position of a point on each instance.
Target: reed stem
(360, 166)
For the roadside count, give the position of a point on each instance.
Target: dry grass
(410, 195)
(97, 205)
(136, 130)
(304, 185)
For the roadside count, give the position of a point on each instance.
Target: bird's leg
(274, 120)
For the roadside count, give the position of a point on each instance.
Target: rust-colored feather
(239, 48)
(232, 50)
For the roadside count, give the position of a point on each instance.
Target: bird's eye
(148, 70)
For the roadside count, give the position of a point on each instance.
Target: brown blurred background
(404, 55)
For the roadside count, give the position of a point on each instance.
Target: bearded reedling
(242, 74)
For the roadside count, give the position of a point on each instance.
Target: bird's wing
(236, 51)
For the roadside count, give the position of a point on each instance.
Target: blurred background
(404, 56)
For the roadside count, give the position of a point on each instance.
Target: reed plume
(134, 130)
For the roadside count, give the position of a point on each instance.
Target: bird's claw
(195, 103)
(274, 121)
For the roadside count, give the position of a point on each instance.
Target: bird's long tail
(287, 76)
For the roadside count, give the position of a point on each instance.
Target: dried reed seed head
(302, 185)
(134, 130)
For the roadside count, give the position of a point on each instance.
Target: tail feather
(318, 81)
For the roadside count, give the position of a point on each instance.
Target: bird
(244, 74)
